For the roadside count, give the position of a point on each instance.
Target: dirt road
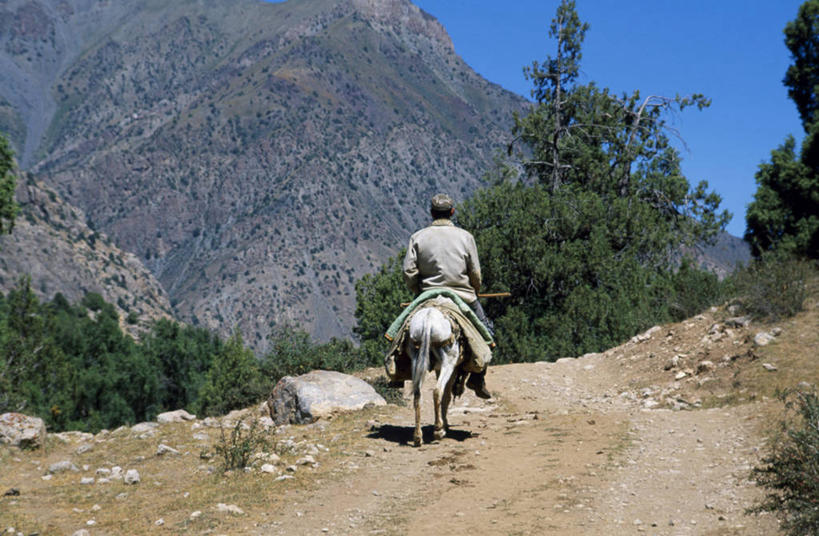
(656, 436)
(573, 447)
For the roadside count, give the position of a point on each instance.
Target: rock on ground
(306, 398)
(179, 415)
(22, 431)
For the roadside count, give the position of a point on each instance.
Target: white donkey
(432, 346)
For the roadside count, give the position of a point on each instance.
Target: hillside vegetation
(257, 157)
(606, 443)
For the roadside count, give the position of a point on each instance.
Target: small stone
(229, 509)
(81, 532)
(85, 481)
(195, 514)
(159, 522)
(268, 468)
(179, 415)
(674, 362)
(705, 366)
(82, 449)
(763, 338)
(143, 427)
(96, 508)
(284, 477)
(131, 476)
(163, 449)
(307, 460)
(63, 466)
(738, 322)
(776, 332)
(769, 367)
(680, 375)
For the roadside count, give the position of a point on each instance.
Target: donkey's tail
(421, 364)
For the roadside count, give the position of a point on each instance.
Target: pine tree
(8, 182)
(784, 215)
(233, 380)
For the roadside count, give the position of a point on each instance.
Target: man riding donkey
(442, 260)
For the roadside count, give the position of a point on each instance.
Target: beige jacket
(443, 255)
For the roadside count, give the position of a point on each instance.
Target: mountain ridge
(259, 158)
(52, 245)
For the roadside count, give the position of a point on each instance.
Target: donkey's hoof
(440, 434)
(416, 442)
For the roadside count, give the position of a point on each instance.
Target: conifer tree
(8, 182)
(584, 237)
(784, 215)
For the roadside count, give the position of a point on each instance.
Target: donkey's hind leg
(417, 437)
(443, 389)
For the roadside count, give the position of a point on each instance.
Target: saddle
(475, 349)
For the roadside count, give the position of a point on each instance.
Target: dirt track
(564, 448)
(656, 436)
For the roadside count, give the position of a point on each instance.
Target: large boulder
(306, 398)
(22, 431)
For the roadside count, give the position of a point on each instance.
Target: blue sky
(730, 50)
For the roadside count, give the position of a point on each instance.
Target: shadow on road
(403, 434)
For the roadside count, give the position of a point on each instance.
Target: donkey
(432, 346)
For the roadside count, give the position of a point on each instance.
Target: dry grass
(172, 487)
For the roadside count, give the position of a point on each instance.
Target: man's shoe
(476, 383)
(389, 365)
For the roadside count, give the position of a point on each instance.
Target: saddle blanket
(477, 353)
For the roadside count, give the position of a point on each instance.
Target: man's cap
(441, 202)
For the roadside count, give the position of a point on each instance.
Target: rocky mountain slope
(257, 157)
(53, 245)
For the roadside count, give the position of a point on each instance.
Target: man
(445, 256)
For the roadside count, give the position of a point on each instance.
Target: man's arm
(473, 265)
(411, 268)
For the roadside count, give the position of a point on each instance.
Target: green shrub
(291, 353)
(391, 394)
(773, 287)
(236, 450)
(693, 291)
(791, 471)
(233, 381)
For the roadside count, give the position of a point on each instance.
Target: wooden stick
(489, 295)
